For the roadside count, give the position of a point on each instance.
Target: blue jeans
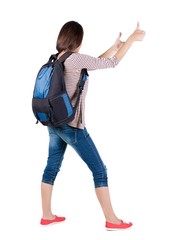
(82, 143)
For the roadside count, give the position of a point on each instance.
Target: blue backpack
(51, 104)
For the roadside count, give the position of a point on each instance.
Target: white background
(129, 114)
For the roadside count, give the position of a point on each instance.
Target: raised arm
(112, 50)
(137, 35)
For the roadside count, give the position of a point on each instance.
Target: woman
(75, 133)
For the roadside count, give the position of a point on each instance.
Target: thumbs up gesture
(118, 43)
(138, 34)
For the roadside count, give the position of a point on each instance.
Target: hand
(138, 35)
(118, 43)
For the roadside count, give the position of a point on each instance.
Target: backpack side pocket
(61, 109)
(41, 110)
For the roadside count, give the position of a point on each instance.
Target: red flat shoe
(46, 222)
(113, 227)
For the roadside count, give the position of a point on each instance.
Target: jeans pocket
(68, 134)
(85, 132)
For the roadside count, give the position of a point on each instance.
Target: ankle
(48, 216)
(113, 220)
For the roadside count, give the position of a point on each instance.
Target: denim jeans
(82, 143)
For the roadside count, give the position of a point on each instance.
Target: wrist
(113, 48)
(131, 39)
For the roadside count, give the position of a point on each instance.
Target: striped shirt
(73, 66)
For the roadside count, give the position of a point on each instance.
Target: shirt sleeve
(92, 63)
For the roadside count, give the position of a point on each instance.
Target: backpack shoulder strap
(83, 77)
(53, 57)
(64, 56)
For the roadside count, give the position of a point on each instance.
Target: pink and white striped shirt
(73, 66)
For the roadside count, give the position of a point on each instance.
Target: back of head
(70, 37)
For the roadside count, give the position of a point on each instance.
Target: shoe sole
(50, 224)
(118, 229)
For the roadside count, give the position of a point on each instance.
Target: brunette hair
(69, 37)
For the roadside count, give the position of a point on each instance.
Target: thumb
(138, 25)
(119, 36)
